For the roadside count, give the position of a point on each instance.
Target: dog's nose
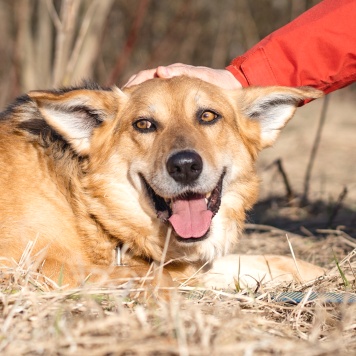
(185, 166)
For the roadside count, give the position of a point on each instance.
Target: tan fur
(71, 167)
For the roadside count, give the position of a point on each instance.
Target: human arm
(317, 49)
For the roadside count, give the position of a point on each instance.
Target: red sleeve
(318, 49)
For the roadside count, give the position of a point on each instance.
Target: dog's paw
(249, 271)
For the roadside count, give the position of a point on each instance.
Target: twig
(54, 15)
(315, 149)
(163, 257)
(306, 231)
(88, 41)
(130, 42)
(159, 52)
(271, 229)
(351, 269)
(294, 259)
(64, 37)
(338, 206)
(86, 22)
(186, 281)
(268, 266)
(43, 45)
(24, 11)
(347, 239)
(352, 254)
(289, 191)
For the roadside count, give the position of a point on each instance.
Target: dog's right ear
(74, 114)
(272, 107)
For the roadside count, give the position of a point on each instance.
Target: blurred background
(50, 43)
(53, 43)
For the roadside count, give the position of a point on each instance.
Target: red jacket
(318, 49)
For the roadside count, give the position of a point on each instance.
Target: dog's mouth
(190, 214)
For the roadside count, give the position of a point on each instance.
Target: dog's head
(178, 152)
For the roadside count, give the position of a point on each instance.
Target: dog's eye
(208, 117)
(144, 125)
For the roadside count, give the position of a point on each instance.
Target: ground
(111, 321)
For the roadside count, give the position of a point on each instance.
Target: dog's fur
(79, 168)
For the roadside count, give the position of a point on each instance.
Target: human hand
(220, 77)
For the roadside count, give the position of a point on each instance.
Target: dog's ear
(74, 114)
(273, 107)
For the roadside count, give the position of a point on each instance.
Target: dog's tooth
(207, 196)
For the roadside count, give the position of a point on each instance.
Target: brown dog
(86, 170)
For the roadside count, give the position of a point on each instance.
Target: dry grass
(107, 321)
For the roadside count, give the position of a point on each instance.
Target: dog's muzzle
(190, 213)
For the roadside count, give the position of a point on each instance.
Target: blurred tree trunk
(85, 52)
(247, 23)
(48, 43)
(65, 29)
(131, 40)
(8, 82)
(58, 49)
(24, 44)
(43, 47)
(164, 47)
(224, 34)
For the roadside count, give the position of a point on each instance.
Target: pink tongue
(191, 218)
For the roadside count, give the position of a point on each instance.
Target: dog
(162, 172)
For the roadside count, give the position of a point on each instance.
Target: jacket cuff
(253, 69)
(238, 74)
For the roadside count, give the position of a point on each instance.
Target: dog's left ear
(273, 107)
(74, 114)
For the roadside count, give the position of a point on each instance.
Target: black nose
(185, 166)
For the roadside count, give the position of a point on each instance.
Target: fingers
(161, 72)
(141, 77)
(175, 70)
(219, 77)
(144, 75)
(178, 69)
